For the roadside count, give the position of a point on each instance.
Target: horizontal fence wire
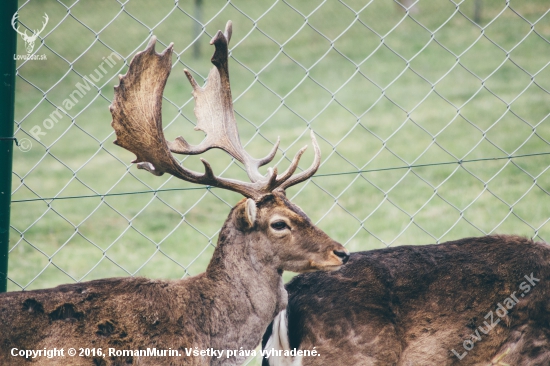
(314, 176)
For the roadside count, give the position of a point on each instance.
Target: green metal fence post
(7, 98)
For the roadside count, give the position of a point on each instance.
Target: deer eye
(279, 225)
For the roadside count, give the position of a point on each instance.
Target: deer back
(416, 304)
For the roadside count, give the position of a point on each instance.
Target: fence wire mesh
(432, 118)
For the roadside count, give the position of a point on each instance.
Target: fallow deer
(226, 308)
(476, 301)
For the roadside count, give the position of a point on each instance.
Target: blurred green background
(396, 101)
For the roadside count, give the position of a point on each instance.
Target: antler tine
(306, 174)
(137, 122)
(214, 112)
(44, 23)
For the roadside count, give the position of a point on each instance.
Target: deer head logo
(29, 40)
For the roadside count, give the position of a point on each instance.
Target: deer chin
(328, 266)
(325, 268)
(311, 266)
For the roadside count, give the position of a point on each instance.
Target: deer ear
(250, 211)
(247, 215)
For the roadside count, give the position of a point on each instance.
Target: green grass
(369, 109)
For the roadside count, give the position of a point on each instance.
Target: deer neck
(249, 288)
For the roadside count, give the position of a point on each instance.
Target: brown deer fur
(412, 305)
(227, 307)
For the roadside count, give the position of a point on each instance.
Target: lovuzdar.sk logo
(29, 39)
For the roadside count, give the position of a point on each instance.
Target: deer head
(266, 213)
(29, 40)
(297, 245)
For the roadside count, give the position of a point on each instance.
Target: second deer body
(475, 301)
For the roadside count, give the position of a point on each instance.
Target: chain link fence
(432, 118)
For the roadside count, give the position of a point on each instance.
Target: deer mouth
(337, 258)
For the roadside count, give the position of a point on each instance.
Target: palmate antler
(136, 111)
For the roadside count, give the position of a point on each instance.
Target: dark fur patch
(66, 312)
(99, 362)
(264, 200)
(105, 329)
(33, 306)
(91, 296)
(265, 338)
(295, 333)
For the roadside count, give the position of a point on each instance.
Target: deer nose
(344, 255)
